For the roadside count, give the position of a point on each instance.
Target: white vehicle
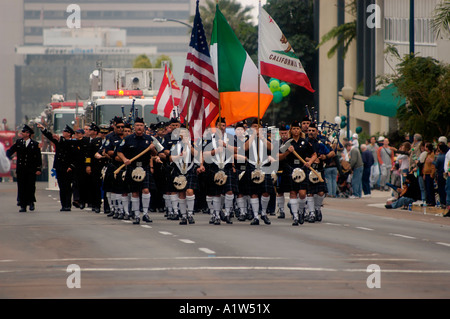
(64, 113)
(113, 92)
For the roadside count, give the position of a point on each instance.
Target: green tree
(441, 18)
(142, 61)
(159, 61)
(425, 82)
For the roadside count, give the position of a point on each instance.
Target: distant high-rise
(137, 17)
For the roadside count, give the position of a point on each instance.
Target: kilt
(147, 182)
(108, 182)
(314, 188)
(267, 186)
(191, 178)
(243, 182)
(230, 185)
(119, 185)
(288, 184)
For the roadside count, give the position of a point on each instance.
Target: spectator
(408, 194)
(447, 184)
(375, 169)
(386, 160)
(357, 167)
(368, 161)
(415, 151)
(429, 172)
(403, 159)
(439, 164)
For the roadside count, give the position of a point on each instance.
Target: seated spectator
(408, 194)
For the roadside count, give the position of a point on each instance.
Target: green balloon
(358, 130)
(274, 85)
(285, 89)
(277, 96)
(343, 124)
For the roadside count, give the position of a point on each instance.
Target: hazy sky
(255, 4)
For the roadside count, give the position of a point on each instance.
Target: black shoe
(82, 206)
(217, 221)
(22, 209)
(116, 215)
(111, 214)
(137, 221)
(242, 218)
(120, 217)
(255, 221)
(227, 220)
(295, 223)
(281, 216)
(191, 219)
(76, 204)
(388, 206)
(447, 214)
(65, 209)
(211, 221)
(318, 215)
(301, 218)
(127, 217)
(266, 219)
(31, 206)
(146, 219)
(183, 221)
(96, 209)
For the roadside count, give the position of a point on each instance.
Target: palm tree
(344, 33)
(441, 18)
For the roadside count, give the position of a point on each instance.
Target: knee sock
(217, 205)
(126, 204)
(242, 205)
(135, 206)
(182, 206)
(168, 202)
(174, 200)
(280, 203)
(209, 202)
(294, 206)
(264, 203)
(318, 200)
(190, 201)
(301, 204)
(310, 203)
(254, 202)
(228, 203)
(145, 202)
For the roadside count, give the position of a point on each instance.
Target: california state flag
(236, 75)
(168, 97)
(276, 56)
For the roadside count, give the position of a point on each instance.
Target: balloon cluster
(279, 89)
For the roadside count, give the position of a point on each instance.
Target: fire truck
(60, 113)
(123, 92)
(8, 138)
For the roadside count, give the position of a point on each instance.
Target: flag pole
(259, 77)
(218, 84)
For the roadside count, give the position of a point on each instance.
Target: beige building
(365, 59)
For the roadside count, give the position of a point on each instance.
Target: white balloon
(337, 120)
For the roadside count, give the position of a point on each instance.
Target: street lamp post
(173, 20)
(347, 94)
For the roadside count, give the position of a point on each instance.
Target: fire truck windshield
(61, 120)
(106, 112)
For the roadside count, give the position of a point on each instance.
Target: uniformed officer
(93, 168)
(294, 171)
(138, 175)
(240, 164)
(29, 164)
(63, 163)
(280, 200)
(80, 183)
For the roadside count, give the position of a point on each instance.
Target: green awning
(386, 102)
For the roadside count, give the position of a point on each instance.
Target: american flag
(199, 88)
(168, 96)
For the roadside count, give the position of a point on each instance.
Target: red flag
(200, 97)
(168, 96)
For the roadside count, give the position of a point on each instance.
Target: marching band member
(295, 172)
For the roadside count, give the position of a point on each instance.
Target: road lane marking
(365, 228)
(443, 244)
(207, 251)
(146, 226)
(403, 236)
(165, 233)
(187, 241)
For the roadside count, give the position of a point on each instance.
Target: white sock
(228, 203)
(301, 204)
(294, 207)
(168, 202)
(242, 205)
(190, 201)
(174, 200)
(145, 202)
(135, 206)
(182, 206)
(217, 205)
(280, 203)
(310, 203)
(209, 202)
(264, 203)
(318, 201)
(254, 202)
(126, 204)
(109, 199)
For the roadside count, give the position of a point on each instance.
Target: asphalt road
(360, 251)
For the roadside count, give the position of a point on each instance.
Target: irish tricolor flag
(236, 75)
(276, 56)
